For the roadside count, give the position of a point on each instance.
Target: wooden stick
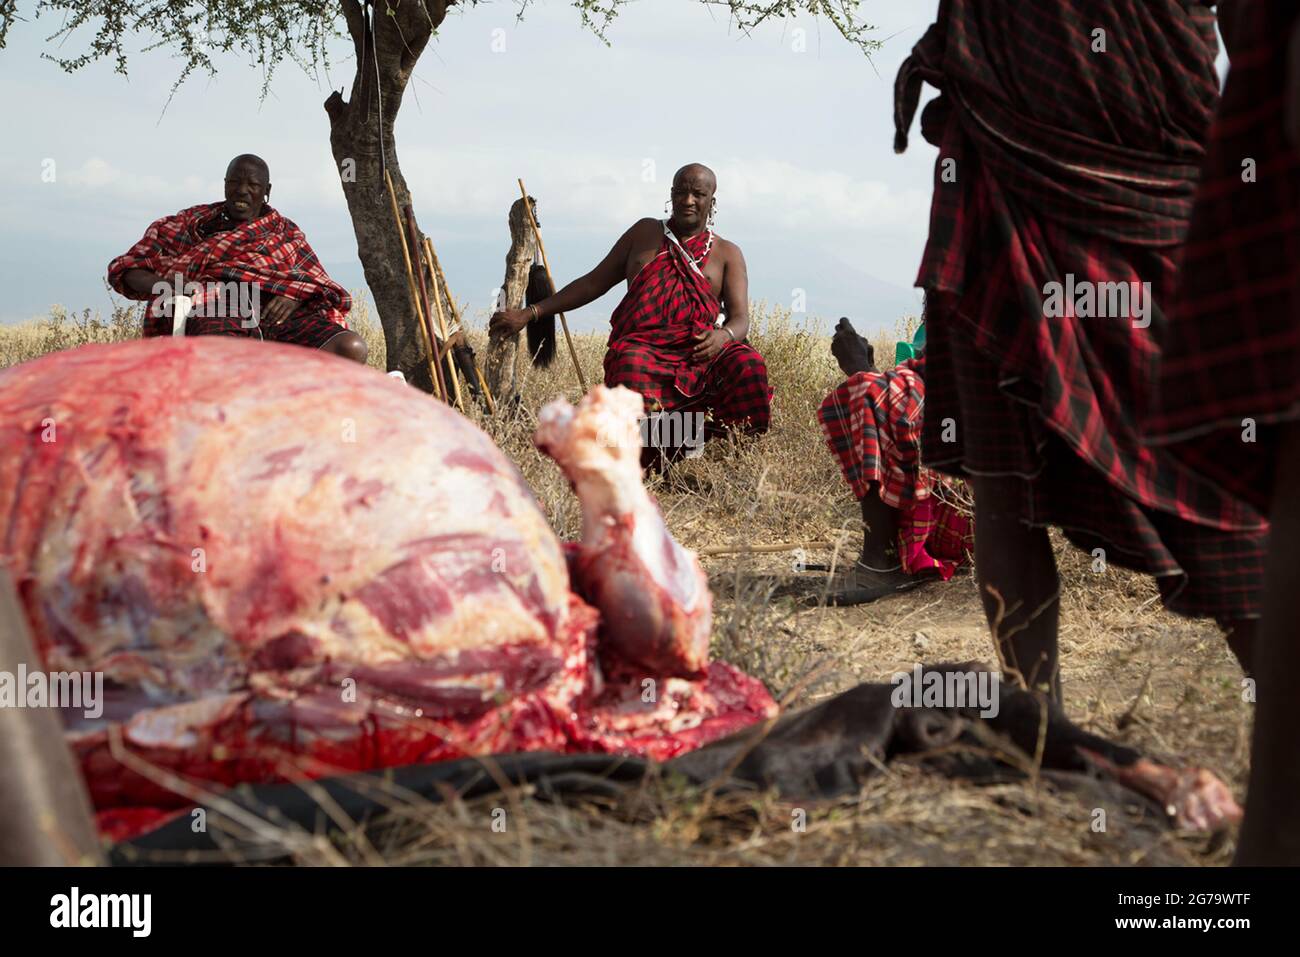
(414, 233)
(759, 549)
(442, 323)
(455, 315)
(410, 279)
(487, 393)
(45, 813)
(424, 295)
(528, 208)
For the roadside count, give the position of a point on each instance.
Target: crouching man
(872, 422)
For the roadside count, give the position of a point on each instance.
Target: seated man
(664, 343)
(245, 269)
(872, 423)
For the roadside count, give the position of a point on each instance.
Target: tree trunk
(503, 352)
(361, 137)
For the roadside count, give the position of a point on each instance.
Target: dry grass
(1132, 672)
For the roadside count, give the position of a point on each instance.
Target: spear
(528, 208)
(455, 315)
(410, 287)
(424, 298)
(442, 321)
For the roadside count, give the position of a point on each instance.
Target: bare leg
(878, 573)
(1241, 636)
(1271, 832)
(880, 531)
(1016, 572)
(1194, 798)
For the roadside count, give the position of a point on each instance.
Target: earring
(713, 212)
(668, 207)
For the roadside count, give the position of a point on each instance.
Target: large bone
(652, 593)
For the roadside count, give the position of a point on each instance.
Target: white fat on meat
(182, 512)
(653, 596)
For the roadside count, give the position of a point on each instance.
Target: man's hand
(1291, 106)
(143, 282)
(708, 344)
(506, 322)
(278, 309)
(851, 351)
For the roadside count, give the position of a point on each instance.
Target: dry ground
(1132, 672)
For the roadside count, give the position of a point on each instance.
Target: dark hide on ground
(825, 751)
(828, 750)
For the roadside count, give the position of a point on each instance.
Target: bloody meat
(285, 564)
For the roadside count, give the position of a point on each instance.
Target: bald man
(666, 341)
(236, 268)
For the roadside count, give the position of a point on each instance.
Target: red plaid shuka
(668, 303)
(1056, 160)
(271, 251)
(872, 422)
(1231, 353)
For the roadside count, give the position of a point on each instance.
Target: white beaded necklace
(704, 254)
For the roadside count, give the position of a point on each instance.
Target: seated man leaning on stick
(664, 343)
(236, 268)
(872, 422)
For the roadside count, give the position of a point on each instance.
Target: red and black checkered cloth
(1056, 160)
(872, 423)
(270, 251)
(667, 304)
(1230, 364)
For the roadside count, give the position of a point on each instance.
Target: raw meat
(653, 594)
(286, 564)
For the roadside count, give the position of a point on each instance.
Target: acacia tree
(388, 37)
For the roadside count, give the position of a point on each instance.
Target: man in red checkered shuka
(665, 342)
(1071, 134)
(1227, 401)
(912, 532)
(236, 268)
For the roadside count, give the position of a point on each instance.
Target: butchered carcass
(287, 564)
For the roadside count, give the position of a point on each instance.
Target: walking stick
(410, 285)
(442, 322)
(45, 812)
(528, 208)
(424, 296)
(455, 315)
(482, 384)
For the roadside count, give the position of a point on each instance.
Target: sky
(796, 122)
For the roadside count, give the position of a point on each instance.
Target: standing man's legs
(1271, 832)
(1016, 572)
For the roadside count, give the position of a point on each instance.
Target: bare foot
(1194, 798)
(851, 351)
